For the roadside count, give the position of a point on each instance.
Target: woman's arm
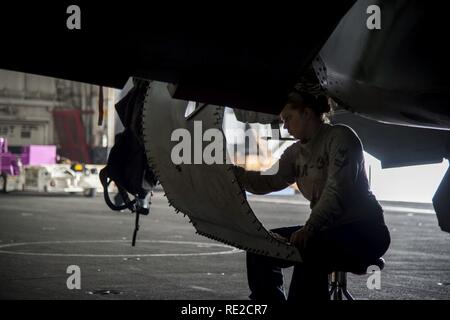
(279, 176)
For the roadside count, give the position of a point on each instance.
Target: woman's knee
(250, 257)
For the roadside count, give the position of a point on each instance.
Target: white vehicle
(52, 178)
(90, 180)
(56, 178)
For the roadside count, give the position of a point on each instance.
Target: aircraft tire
(91, 193)
(3, 182)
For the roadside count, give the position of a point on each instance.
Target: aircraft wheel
(91, 193)
(3, 182)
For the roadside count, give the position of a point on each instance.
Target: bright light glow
(411, 184)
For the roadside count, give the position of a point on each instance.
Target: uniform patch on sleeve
(341, 159)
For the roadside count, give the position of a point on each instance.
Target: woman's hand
(301, 238)
(278, 237)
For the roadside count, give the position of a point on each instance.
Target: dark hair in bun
(322, 105)
(319, 104)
